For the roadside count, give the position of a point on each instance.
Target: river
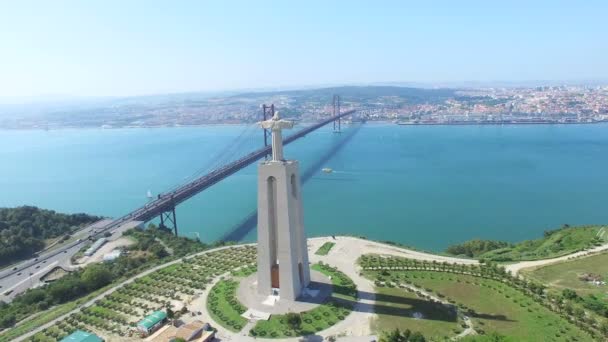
(423, 186)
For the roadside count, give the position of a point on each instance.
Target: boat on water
(149, 194)
(327, 170)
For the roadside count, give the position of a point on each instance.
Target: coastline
(303, 123)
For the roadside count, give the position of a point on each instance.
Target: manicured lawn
(496, 306)
(565, 274)
(320, 318)
(223, 306)
(344, 287)
(395, 308)
(317, 319)
(324, 250)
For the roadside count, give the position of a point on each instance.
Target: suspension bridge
(164, 204)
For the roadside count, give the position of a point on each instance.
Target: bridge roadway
(165, 202)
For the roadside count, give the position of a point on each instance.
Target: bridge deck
(169, 200)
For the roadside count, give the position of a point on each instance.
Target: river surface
(423, 186)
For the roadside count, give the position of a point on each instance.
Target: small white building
(95, 246)
(112, 255)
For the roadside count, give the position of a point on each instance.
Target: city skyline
(129, 49)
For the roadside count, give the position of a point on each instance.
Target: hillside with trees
(25, 230)
(474, 248)
(554, 243)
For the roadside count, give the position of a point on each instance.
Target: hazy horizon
(138, 48)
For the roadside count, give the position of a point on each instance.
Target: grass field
(395, 308)
(559, 242)
(495, 307)
(344, 287)
(565, 274)
(325, 248)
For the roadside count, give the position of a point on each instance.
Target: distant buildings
(549, 104)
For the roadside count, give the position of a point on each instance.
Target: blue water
(424, 186)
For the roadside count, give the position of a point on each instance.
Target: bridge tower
(336, 111)
(267, 113)
(167, 216)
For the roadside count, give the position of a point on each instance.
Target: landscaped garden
(494, 301)
(118, 313)
(335, 309)
(223, 306)
(325, 248)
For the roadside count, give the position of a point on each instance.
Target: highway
(18, 278)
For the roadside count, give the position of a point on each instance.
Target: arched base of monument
(317, 292)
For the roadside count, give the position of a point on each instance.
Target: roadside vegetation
(25, 230)
(554, 243)
(145, 253)
(325, 248)
(494, 300)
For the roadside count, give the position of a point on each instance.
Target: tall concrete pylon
(282, 247)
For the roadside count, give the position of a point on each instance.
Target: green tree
(417, 337)
(95, 277)
(569, 294)
(158, 250)
(604, 328)
(294, 321)
(401, 336)
(170, 313)
(7, 320)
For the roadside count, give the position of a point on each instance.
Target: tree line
(23, 230)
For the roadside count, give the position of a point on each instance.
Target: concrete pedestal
(282, 250)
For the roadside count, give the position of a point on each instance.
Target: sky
(122, 48)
